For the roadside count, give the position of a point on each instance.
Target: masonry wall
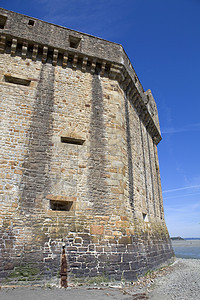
(109, 183)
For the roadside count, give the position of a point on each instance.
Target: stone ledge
(60, 198)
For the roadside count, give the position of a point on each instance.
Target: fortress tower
(79, 160)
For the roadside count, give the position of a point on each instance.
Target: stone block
(97, 229)
(130, 275)
(125, 240)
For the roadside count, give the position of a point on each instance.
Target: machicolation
(79, 160)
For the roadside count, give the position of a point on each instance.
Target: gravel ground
(179, 281)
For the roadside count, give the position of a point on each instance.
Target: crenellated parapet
(35, 39)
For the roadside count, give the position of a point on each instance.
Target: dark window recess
(69, 140)
(31, 22)
(107, 68)
(74, 41)
(16, 80)
(30, 48)
(61, 205)
(9, 43)
(98, 68)
(145, 217)
(2, 21)
(19, 46)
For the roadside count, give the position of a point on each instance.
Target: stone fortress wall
(79, 160)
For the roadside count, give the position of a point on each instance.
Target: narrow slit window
(16, 80)
(69, 140)
(61, 205)
(74, 42)
(145, 217)
(3, 20)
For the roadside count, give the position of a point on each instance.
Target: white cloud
(187, 128)
(180, 196)
(183, 188)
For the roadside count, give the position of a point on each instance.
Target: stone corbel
(44, 54)
(84, 63)
(13, 47)
(35, 52)
(145, 117)
(126, 83)
(93, 66)
(154, 130)
(136, 102)
(55, 57)
(149, 126)
(129, 89)
(122, 75)
(115, 71)
(139, 109)
(134, 98)
(24, 50)
(132, 92)
(2, 43)
(65, 60)
(75, 60)
(103, 65)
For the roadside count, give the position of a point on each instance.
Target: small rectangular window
(2, 21)
(74, 41)
(69, 140)
(61, 205)
(31, 22)
(16, 80)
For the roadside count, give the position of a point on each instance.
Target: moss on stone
(24, 272)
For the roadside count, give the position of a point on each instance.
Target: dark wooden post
(63, 269)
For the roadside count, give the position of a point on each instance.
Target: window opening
(74, 41)
(3, 20)
(31, 22)
(61, 205)
(145, 217)
(16, 80)
(69, 140)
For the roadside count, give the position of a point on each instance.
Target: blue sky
(161, 38)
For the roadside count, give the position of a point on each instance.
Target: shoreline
(188, 249)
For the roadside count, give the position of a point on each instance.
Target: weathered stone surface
(96, 229)
(79, 160)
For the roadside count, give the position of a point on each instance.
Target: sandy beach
(178, 281)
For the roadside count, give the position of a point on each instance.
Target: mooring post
(63, 269)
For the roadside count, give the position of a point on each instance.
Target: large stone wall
(79, 165)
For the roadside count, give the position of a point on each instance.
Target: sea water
(187, 248)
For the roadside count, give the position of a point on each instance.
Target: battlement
(39, 40)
